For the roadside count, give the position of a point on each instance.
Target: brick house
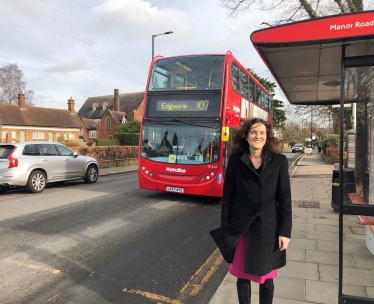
(90, 131)
(110, 111)
(19, 122)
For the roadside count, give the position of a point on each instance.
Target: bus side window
(245, 85)
(258, 96)
(235, 77)
(251, 91)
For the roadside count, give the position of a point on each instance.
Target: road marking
(293, 164)
(193, 286)
(31, 266)
(152, 296)
(203, 274)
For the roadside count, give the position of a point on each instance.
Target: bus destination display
(182, 105)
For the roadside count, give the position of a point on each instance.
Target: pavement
(311, 273)
(117, 170)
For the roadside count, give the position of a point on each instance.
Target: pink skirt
(237, 265)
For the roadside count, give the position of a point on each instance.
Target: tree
(279, 116)
(11, 84)
(292, 133)
(132, 126)
(293, 10)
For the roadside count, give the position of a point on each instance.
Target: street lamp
(153, 37)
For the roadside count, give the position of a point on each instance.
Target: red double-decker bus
(193, 106)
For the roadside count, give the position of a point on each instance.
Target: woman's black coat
(259, 205)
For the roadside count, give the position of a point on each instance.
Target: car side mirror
(76, 154)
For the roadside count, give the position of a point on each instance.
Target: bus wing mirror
(225, 134)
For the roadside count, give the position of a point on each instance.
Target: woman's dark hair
(275, 145)
(240, 144)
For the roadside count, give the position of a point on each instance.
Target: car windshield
(187, 73)
(181, 142)
(296, 146)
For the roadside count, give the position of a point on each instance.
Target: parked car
(298, 148)
(35, 164)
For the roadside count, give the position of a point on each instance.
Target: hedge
(128, 139)
(105, 142)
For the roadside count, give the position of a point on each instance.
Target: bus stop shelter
(327, 61)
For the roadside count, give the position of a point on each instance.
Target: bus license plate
(175, 189)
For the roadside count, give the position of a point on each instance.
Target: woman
(256, 217)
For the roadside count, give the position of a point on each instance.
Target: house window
(92, 134)
(97, 121)
(38, 135)
(107, 123)
(110, 137)
(12, 134)
(69, 136)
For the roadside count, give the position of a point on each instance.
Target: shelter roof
(305, 57)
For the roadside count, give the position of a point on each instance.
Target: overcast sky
(84, 48)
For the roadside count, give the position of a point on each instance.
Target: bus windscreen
(187, 73)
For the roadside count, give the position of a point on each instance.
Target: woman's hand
(283, 242)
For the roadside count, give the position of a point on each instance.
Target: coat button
(249, 181)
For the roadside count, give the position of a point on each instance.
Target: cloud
(136, 18)
(67, 65)
(29, 8)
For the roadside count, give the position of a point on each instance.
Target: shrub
(105, 142)
(91, 143)
(328, 141)
(74, 144)
(128, 139)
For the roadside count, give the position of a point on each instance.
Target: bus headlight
(207, 176)
(148, 172)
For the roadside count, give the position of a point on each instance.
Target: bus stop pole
(341, 176)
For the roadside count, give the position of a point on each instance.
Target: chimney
(116, 101)
(21, 100)
(71, 105)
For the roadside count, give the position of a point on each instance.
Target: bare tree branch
(341, 6)
(351, 6)
(308, 8)
(11, 84)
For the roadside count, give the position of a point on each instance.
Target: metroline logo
(179, 170)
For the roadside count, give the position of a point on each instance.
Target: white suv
(34, 164)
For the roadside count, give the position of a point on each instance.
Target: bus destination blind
(182, 105)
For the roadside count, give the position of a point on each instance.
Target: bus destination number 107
(182, 105)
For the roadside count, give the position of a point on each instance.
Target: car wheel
(3, 189)
(92, 174)
(36, 182)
